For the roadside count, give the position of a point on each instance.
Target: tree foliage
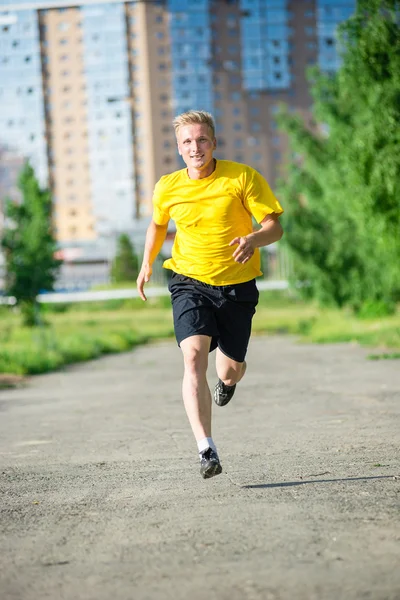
(29, 245)
(125, 266)
(342, 191)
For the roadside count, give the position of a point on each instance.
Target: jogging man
(215, 260)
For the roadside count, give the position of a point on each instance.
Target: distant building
(88, 92)
(10, 167)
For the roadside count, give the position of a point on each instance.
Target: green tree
(125, 266)
(342, 191)
(29, 246)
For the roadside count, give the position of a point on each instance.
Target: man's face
(195, 145)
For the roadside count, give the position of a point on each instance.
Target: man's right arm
(155, 237)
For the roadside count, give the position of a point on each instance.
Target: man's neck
(203, 173)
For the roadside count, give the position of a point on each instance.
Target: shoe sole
(211, 471)
(221, 403)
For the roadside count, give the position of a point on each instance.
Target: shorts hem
(193, 334)
(230, 356)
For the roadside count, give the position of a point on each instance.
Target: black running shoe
(209, 464)
(223, 393)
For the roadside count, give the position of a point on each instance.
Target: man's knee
(195, 353)
(230, 371)
(233, 375)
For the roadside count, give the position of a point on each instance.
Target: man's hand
(270, 231)
(244, 251)
(143, 277)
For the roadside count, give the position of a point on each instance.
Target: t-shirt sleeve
(258, 197)
(160, 210)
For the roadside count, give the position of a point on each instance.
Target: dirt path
(101, 498)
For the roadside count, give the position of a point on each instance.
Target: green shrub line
(81, 332)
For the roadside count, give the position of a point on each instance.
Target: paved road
(102, 499)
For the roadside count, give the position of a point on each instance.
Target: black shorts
(223, 312)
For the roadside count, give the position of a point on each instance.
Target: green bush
(375, 309)
(341, 192)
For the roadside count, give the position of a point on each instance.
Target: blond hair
(194, 117)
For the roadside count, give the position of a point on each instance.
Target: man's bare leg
(197, 400)
(195, 391)
(229, 372)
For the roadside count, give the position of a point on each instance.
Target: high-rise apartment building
(88, 91)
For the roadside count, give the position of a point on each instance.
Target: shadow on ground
(292, 483)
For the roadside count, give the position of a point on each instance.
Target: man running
(215, 260)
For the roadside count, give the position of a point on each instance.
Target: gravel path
(101, 498)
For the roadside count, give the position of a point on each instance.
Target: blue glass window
(192, 76)
(329, 17)
(265, 44)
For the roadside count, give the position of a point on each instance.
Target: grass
(79, 332)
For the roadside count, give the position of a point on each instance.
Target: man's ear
(179, 150)
(215, 143)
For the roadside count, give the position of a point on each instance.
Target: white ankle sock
(206, 443)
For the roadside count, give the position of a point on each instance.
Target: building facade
(88, 92)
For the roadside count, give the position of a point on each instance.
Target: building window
(253, 141)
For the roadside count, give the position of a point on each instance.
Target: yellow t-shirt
(209, 213)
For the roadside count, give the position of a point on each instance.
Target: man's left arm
(270, 231)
